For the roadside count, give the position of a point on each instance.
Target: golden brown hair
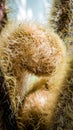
(38, 76)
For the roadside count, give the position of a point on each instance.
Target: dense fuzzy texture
(38, 73)
(3, 15)
(62, 17)
(62, 21)
(18, 51)
(38, 109)
(23, 42)
(50, 109)
(31, 58)
(64, 111)
(7, 117)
